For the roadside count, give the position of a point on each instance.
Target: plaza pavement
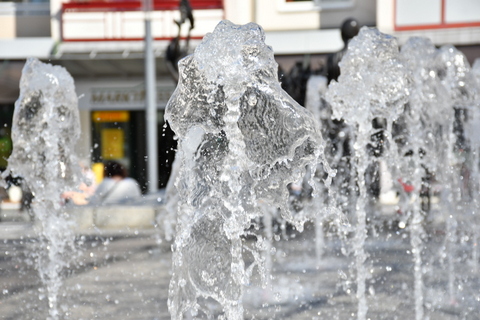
(124, 273)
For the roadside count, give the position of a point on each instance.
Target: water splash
(472, 132)
(243, 140)
(460, 87)
(425, 99)
(427, 109)
(45, 129)
(373, 86)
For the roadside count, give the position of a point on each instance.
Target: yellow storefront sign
(111, 116)
(112, 143)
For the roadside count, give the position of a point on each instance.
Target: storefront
(113, 126)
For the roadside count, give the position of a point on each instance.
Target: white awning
(282, 42)
(22, 48)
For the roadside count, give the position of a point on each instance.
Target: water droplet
(371, 290)
(277, 296)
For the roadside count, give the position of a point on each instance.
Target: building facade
(101, 43)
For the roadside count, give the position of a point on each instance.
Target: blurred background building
(101, 43)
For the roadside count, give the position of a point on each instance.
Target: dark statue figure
(175, 51)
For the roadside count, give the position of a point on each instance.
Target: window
(297, 5)
(334, 4)
(308, 5)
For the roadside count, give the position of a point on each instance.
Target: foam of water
(243, 140)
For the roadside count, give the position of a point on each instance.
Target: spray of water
(45, 129)
(454, 74)
(472, 133)
(428, 109)
(242, 140)
(373, 86)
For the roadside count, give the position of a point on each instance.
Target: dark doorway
(121, 136)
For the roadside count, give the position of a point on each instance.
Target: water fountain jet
(373, 84)
(46, 126)
(242, 139)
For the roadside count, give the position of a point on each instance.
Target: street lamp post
(150, 99)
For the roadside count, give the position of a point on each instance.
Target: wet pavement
(114, 278)
(126, 276)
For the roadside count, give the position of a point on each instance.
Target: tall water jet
(243, 140)
(461, 89)
(373, 86)
(472, 134)
(46, 126)
(427, 109)
(473, 220)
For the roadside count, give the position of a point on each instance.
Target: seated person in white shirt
(116, 186)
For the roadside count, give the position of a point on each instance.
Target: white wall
(385, 11)
(239, 12)
(364, 11)
(278, 15)
(55, 8)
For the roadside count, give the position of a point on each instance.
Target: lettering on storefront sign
(118, 96)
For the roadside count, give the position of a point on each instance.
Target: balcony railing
(137, 5)
(124, 20)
